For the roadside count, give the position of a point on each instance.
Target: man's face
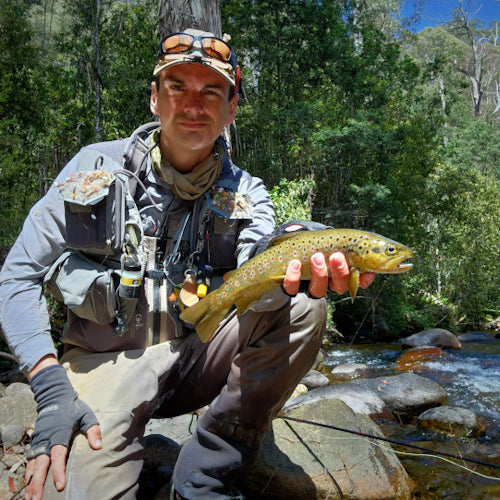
(193, 103)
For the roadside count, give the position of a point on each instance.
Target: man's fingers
(339, 281)
(366, 279)
(94, 437)
(291, 283)
(319, 276)
(36, 474)
(58, 454)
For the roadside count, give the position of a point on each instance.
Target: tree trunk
(98, 110)
(177, 15)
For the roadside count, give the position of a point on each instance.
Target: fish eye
(390, 250)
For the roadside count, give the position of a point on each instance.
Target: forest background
(350, 117)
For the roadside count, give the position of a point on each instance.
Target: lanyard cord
(393, 441)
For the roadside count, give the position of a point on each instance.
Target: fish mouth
(397, 265)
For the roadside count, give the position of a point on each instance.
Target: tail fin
(203, 318)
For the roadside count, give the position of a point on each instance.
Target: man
(122, 364)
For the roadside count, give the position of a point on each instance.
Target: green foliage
(350, 120)
(459, 255)
(22, 96)
(292, 200)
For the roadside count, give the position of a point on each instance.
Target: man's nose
(194, 104)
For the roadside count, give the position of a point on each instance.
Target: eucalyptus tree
(177, 15)
(22, 101)
(482, 67)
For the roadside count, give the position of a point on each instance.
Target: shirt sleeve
(262, 222)
(23, 308)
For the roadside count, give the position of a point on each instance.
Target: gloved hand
(60, 412)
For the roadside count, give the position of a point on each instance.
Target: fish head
(380, 255)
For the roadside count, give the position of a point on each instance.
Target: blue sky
(439, 11)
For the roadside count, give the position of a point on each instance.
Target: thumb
(94, 437)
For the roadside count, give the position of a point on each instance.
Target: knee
(309, 315)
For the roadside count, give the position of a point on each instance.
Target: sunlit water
(471, 378)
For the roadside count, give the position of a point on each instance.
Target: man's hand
(60, 414)
(338, 282)
(38, 467)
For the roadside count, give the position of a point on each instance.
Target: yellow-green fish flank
(364, 251)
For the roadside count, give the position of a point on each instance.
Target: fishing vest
(113, 264)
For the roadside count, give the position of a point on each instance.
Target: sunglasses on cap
(185, 43)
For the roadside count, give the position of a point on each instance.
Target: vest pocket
(86, 287)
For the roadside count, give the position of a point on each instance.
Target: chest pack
(113, 272)
(100, 276)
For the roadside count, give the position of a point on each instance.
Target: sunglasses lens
(176, 44)
(217, 48)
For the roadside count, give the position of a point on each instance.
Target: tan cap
(197, 55)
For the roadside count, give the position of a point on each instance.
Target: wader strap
(137, 150)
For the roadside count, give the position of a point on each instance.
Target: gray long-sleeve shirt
(23, 309)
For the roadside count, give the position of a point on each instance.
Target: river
(471, 377)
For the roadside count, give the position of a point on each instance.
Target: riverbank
(470, 377)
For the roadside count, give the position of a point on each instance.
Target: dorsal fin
(276, 240)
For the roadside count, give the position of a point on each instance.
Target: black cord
(392, 441)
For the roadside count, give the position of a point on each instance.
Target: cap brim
(221, 67)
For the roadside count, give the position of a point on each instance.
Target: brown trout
(364, 251)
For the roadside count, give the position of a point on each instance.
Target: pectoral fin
(353, 282)
(256, 292)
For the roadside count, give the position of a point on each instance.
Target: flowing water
(471, 377)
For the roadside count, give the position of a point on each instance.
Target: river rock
(459, 422)
(178, 429)
(306, 462)
(17, 407)
(476, 337)
(436, 337)
(407, 394)
(415, 358)
(315, 379)
(299, 389)
(362, 401)
(351, 370)
(11, 434)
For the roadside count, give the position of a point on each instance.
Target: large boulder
(360, 400)
(459, 422)
(435, 336)
(17, 411)
(407, 394)
(306, 462)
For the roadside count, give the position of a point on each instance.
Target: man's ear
(153, 100)
(233, 104)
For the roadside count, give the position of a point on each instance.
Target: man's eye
(212, 93)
